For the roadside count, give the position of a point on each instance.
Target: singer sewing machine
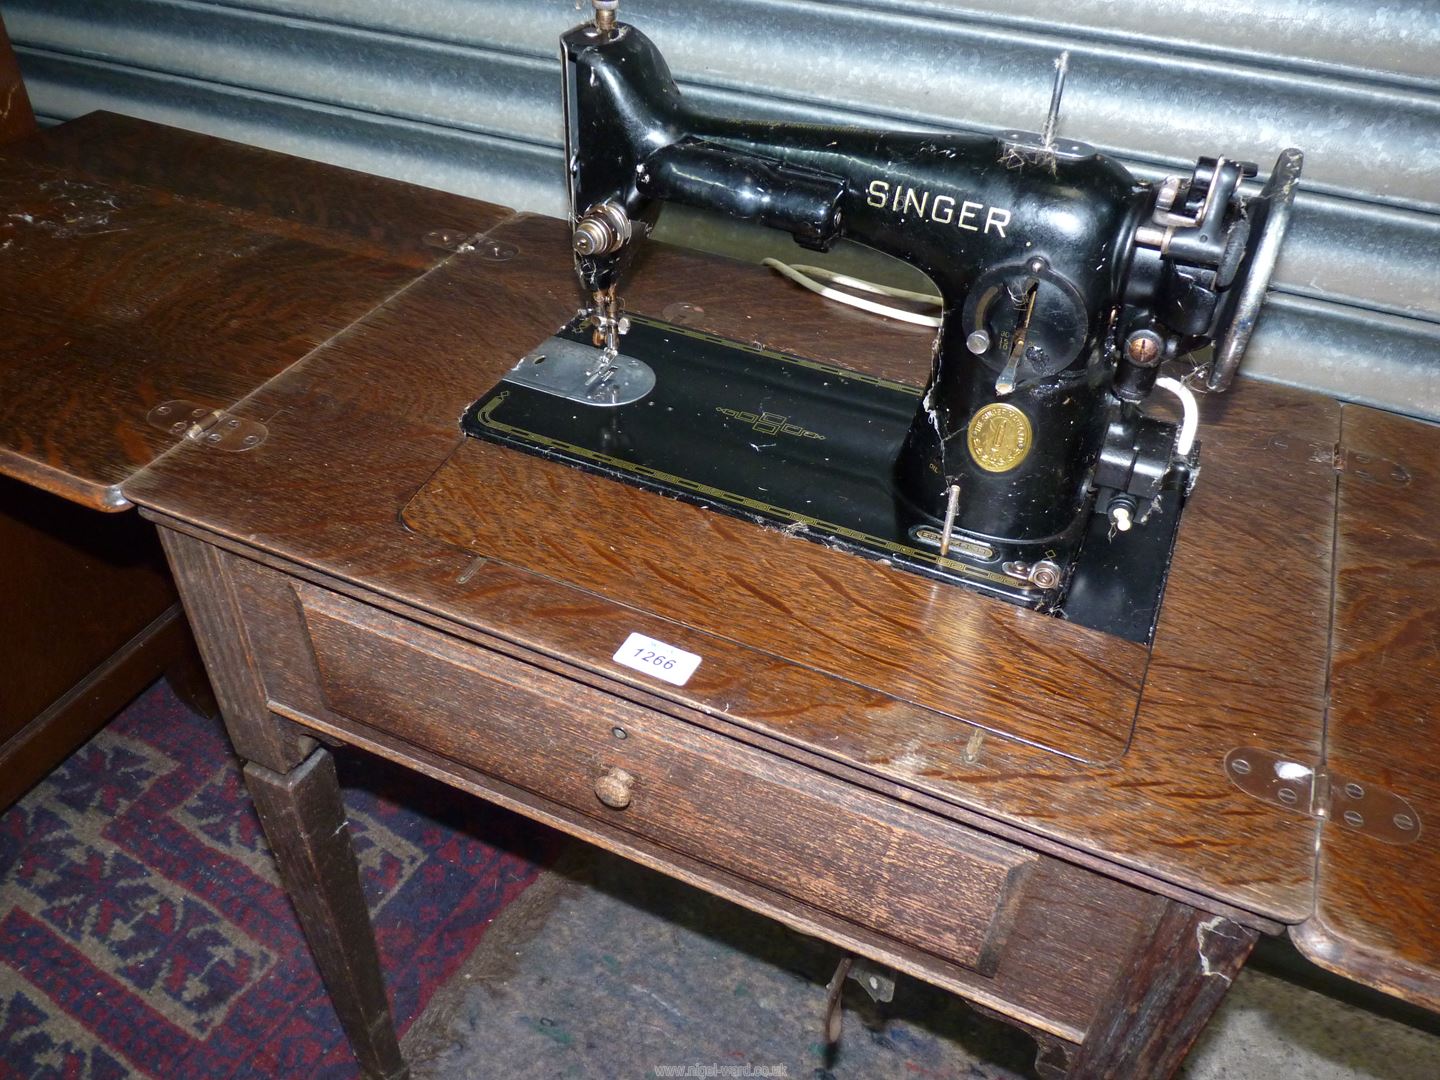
(1077, 831)
(1031, 466)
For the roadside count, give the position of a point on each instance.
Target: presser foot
(608, 323)
(606, 316)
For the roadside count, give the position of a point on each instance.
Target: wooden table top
(127, 294)
(1377, 917)
(1070, 741)
(360, 428)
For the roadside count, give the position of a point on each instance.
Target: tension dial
(1024, 322)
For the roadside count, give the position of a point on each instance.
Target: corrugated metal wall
(464, 95)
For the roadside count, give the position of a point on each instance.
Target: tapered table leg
(1179, 971)
(295, 790)
(304, 821)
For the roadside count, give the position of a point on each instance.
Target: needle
(1052, 119)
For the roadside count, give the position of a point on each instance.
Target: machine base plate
(797, 445)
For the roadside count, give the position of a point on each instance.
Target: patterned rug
(143, 930)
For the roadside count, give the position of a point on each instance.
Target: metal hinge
(1362, 466)
(1369, 467)
(209, 427)
(1355, 804)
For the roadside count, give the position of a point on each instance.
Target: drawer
(877, 863)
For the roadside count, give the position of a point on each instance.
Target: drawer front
(903, 872)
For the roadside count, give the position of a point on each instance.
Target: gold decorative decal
(1000, 437)
(769, 423)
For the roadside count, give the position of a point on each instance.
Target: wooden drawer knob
(613, 788)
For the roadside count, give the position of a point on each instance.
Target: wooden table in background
(90, 614)
(1034, 816)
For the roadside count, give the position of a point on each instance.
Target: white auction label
(656, 658)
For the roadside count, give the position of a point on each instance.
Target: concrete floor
(606, 970)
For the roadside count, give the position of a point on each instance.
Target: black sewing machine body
(1066, 284)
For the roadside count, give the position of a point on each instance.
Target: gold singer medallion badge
(999, 437)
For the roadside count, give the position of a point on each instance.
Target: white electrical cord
(806, 277)
(933, 299)
(1191, 414)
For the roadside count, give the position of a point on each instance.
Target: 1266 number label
(656, 658)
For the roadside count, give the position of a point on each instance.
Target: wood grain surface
(923, 881)
(265, 191)
(933, 645)
(1239, 658)
(207, 589)
(1378, 907)
(1061, 934)
(1181, 968)
(304, 821)
(117, 297)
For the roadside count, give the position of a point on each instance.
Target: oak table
(1080, 834)
(91, 616)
